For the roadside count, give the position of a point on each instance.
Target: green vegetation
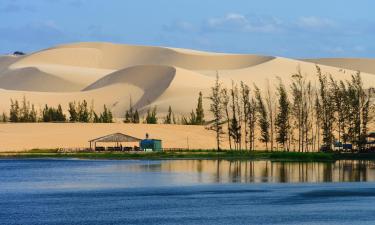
(4, 118)
(264, 123)
(283, 116)
(50, 114)
(302, 117)
(199, 112)
(23, 114)
(196, 117)
(78, 112)
(131, 115)
(216, 110)
(106, 116)
(151, 117)
(170, 118)
(235, 125)
(193, 154)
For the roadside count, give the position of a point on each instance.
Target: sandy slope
(284, 68)
(112, 74)
(360, 64)
(6, 61)
(32, 79)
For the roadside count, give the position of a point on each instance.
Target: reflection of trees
(199, 170)
(283, 177)
(249, 174)
(217, 180)
(264, 173)
(252, 171)
(364, 170)
(247, 171)
(303, 172)
(353, 170)
(234, 171)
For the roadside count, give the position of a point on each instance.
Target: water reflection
(223, 171)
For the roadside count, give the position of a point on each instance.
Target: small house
(371, 141)
(338, 146)
(115, 142)
(151, 145)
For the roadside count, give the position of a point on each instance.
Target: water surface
(186, 192)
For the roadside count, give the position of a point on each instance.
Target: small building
(151, 145)
(371, 141)
(338, 146)
(371, 135)
(115, 142)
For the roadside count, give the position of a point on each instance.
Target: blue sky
(290, 28)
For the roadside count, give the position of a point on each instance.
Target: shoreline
(192, 154)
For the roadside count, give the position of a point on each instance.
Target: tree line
(196, 117)
(82, 112)
(78, 112)
(302, 117)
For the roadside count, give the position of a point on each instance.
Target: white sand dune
(153, 80)
(165, 86)
(111, 74)
(114, 56)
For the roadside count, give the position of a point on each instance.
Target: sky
(288, 28)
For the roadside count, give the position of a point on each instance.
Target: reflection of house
(123, 142)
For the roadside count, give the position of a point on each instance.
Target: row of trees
(23, 113)
(82, 112)
(78, 112)
(301, 118)
(196, 116)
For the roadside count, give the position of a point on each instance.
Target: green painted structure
(151, 145)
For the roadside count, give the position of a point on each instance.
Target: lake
(72, 191)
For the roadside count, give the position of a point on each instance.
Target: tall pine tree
(263, 118)
(199, 112)
(282, 118)
(216, 110)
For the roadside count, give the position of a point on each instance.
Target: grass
(193, 154)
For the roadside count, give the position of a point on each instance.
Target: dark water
(186, 192)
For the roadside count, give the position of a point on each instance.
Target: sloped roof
(116, 137)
